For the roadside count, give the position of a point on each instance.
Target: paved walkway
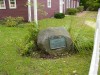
(87, 22)
(81, 14)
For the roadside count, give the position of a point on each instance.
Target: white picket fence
(96, 51)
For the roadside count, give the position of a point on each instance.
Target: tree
(93, 4)
(83, 3)
(90, 4)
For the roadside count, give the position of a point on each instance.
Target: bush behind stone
(71, 11)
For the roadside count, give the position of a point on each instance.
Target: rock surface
(44, 42)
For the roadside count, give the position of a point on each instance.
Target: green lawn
(11, 63)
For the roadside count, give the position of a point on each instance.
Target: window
(49, 3)
(12, 4)
(2, 4)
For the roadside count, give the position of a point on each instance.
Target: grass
(99, 69)
(11, 63)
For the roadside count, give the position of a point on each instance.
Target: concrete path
(91, 24)
(87, 22)
(81, 14)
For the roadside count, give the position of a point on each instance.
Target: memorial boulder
(54, 40)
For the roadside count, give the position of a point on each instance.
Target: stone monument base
(55, 40)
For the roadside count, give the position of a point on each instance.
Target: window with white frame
(49, 3)
(2, 4)
(12, 4)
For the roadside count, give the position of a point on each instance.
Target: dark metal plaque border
(57, 37)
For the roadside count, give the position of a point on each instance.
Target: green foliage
(1, 22)
(83, 3)
(19, 19)
(80, 8)
(29, 44)
(12, 22)
(81, 39)
(32, 36)
(90, 4)
(25, 49)
(59, 15)
(93, 5)
(71, 11)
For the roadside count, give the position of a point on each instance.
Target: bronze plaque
(57, 42)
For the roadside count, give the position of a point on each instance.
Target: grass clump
(83, 40)
(29, 44)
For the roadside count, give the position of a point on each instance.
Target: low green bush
(25, 49)
(71, 11)
(1, 22)
(59, 15)
(12, 22)
(19, 19)
(80, 8)
(29, 45)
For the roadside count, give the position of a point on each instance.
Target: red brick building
(23, 9)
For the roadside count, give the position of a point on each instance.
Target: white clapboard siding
(96, 50)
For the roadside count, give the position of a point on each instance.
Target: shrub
(59, 15)
(93, 8)
(24, 49)
(10, 21)
(19, 19)
(71, 11)
(29, 45)
(80, 8)
(1, 22)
